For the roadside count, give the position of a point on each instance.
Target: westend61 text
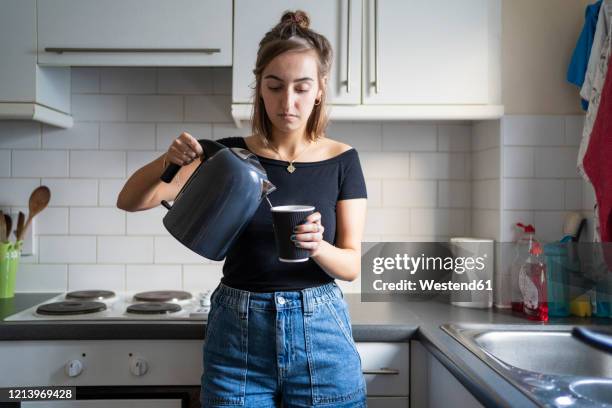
(432, 285)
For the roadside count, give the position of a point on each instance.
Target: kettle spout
(266, 188)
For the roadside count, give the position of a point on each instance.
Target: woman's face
(289, 88)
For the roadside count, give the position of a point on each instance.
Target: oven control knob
(74, 368)
(138, 366)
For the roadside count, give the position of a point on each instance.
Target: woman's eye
(274, 89)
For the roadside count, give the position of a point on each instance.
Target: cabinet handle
(376, 81)
(60, 50)
(382, 371)
(348, 46)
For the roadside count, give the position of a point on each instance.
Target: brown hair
(291, 34)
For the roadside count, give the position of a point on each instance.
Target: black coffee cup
(285, 218)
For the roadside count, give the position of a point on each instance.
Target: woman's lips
(289, 118)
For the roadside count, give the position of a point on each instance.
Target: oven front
(105, 373)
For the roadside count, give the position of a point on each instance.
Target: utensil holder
(10, 252)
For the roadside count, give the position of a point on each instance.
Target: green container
(9, 261)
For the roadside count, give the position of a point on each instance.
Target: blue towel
(580, 58)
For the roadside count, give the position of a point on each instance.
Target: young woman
(279, 334)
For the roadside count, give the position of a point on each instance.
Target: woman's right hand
(184, 150)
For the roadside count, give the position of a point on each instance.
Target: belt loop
(243, 307)
(307, 302)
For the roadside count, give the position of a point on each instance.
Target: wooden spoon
(20, 222)
(38, 201)
(9, 225)
(2, 227)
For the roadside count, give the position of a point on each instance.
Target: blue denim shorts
(281, 349)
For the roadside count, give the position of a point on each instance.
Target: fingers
(184, 150)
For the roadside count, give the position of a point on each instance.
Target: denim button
(281, 300)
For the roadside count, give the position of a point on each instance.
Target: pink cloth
(598, 160)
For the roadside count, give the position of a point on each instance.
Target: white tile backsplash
(185, 81)
(522, 130)
(109, 191)
(40, 163)
(83, 135)
(111, 108)
(202, 277)
(128, 81)
(153, 277)
(127, 136)
(19, 134)
(556, 162)
(168, 250)
(363, 136)
(518, 162)
(573, 129)
(454, 194)
(147, 222)
(85, 80)
(408, 137)
(439, 166)
(385, 165)
(454, 138)
(208, 108)
(17, 191)
(91, 163)
(123, 249)
(97, 221)
(136, 160)
(426, 181)
(154, 108)
(103, 277)
(67, 249)
(535, 194)
(41, 278)
(68, 192)
(167, 132)
(409, 193)
(52, 221)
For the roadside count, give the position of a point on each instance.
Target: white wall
(418, 178)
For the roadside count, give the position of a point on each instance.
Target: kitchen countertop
(372, 321)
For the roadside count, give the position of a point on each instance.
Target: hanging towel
(601, 32)
(597, 161)
(580, 58)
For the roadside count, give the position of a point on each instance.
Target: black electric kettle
(217, 201)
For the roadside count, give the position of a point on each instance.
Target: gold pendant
(290, 168)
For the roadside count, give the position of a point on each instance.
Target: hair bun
(298, 17)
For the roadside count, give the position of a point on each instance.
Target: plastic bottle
(523, 246)
(532, 282)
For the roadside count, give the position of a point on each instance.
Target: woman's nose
(288, 99)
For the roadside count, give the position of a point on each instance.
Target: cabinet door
(432, 385)
(338, 20)
(429, 52)
(162, 32)
(386, 368)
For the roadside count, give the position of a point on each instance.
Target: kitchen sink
(546, 362)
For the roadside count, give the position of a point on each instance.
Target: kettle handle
(210, 147)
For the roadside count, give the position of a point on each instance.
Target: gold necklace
(290, 167)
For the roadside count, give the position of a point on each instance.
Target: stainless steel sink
(545, 362)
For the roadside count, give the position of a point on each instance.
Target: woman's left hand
(310, 234)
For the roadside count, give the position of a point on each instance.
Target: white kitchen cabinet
(135, 32)
(27, 91)
(445, 52)
(338, 20)
(432, 385)
(386, 372)
(416, 60)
